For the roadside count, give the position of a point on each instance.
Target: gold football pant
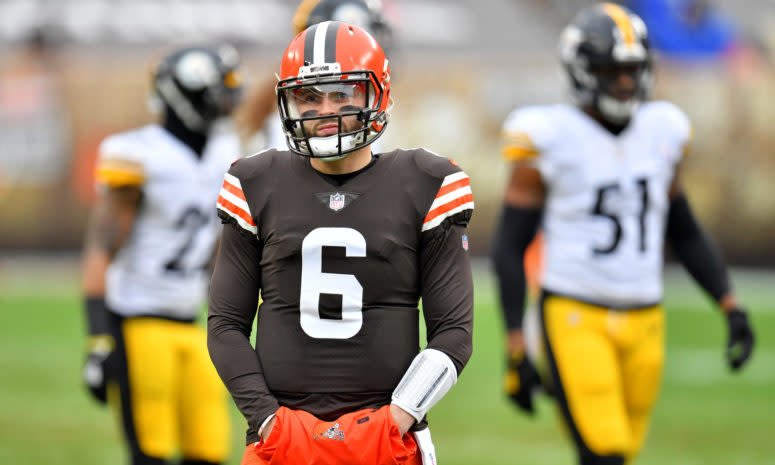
(169, 396)
(605, 367)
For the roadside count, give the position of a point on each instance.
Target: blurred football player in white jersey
(257, 118)
(600, 179)
(146, 265)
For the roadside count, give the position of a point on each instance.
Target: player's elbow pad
(430, 376)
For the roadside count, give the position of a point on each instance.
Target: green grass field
(704, 414)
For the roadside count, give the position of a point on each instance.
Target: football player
(257, 117)
(601, 180)
(147, 260)
(341, 243)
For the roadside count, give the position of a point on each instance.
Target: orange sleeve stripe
(453, 186)
(227, 186)
(226, 205)
(440, 210)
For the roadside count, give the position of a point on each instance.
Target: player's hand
(268, 428)
(740, 342)
(404, 420)
(521, 380)
(95, 370)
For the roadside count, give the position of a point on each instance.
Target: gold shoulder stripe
(116, 173)
(622, 20)
(518, 153)
(518, 138)
(518, 146)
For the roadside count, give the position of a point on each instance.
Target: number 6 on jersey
(315, 282)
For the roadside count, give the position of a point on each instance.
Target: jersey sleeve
(120, 163)
(445, 269)
(454, 201)
(447, 292)
(675, 126)
(233, 205)
(527, 136)
(234, 291)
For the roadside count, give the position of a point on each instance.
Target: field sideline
(704, 414)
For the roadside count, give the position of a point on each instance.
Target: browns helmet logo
(327, 430)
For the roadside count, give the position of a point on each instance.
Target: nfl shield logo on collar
(336, 202)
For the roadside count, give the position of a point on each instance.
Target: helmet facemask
(351, 117)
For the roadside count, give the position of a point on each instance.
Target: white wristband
(430, 376)
(263, 425)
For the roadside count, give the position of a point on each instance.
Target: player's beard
(330, 126)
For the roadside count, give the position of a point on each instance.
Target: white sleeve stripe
(238, 202)
(449, 179)
(446, 198)
(245, 225)
(233, 180)
(437, 221)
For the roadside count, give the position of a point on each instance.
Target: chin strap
(329, 145)
(616, 111)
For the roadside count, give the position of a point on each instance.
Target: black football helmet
(199, 84)
(366, 14)
(601, 43)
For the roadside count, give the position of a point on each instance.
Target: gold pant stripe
(609, 364)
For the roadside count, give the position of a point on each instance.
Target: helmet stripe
(309, 44)
(320, 43)
(622, 20)
(330, 47)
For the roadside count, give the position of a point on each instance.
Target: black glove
(100, 349)
(740, 342)
(96, 369)
(520, 381)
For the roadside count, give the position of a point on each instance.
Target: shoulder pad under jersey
(122, 158)
(528, 131)
(453, 198)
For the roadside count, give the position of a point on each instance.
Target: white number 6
(314, 282)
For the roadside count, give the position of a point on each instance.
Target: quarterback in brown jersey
(341, 244)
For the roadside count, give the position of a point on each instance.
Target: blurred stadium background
(73, 71)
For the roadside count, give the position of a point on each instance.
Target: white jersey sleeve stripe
(232, 201)
(446, 198)
(454, 177)
(454, 196)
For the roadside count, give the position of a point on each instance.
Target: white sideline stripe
(699, 367)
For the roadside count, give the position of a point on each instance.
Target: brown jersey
(341, 270)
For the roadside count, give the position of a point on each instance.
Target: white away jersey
(161, 269)
(607, 197)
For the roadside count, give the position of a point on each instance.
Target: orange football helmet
(343, 63)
